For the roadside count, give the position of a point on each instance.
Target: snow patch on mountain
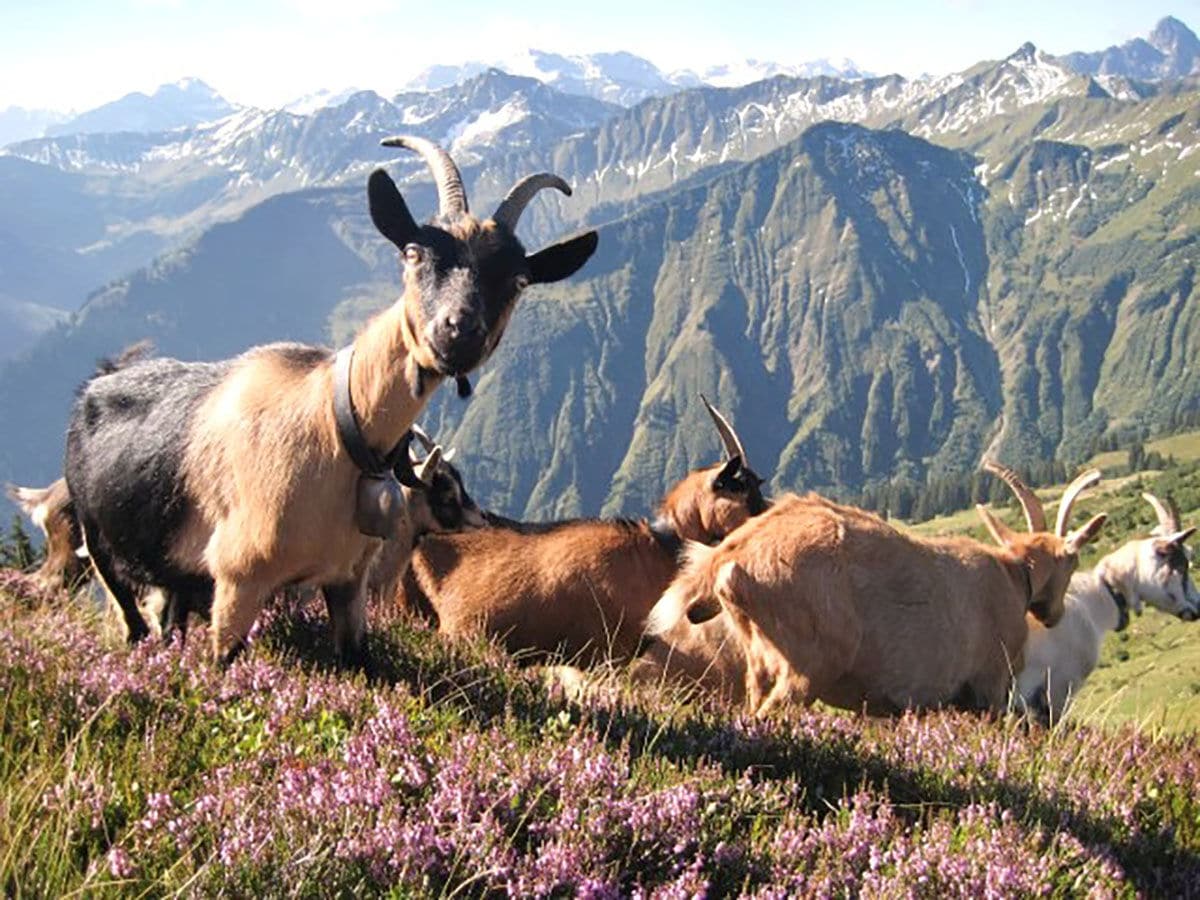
(310, 103)
(626, 78)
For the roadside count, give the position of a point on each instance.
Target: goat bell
(379, 506)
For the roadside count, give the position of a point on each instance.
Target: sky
(77, 54)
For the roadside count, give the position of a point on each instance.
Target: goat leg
(117, 588)
(236, 604)
(347, 605)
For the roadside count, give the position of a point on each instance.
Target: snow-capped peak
(310, 103)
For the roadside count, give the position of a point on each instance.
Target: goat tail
(696, 579)
(34, 502)
(26, 497)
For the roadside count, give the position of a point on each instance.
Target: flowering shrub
(149, 770)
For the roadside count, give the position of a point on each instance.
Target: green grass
(1184, 447)
(1149, 676)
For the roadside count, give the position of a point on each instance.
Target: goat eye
(413, 255)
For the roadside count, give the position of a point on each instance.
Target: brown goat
(831, 603)
(240, 477)
(51, 510)
(580, 588)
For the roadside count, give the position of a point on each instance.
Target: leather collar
(368, 460)
(1122, 604)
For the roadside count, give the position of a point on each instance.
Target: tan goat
(581, 588)
(831, 603)
(273, 469)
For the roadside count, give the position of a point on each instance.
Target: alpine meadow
(648, 536)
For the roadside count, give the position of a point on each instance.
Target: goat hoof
(231, 655)
(359, 660)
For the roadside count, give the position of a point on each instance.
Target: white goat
(1152, 570)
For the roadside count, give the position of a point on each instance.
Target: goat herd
(214, 485)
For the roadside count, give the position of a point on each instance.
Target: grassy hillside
(1149, 675)
(149, 772)
(1184, 447)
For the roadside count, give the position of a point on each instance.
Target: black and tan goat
(580, 589)
(439, 503)
(831, 603)
(435, 502)
(251, 474)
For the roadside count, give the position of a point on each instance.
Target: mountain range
(877, 278)
(1171, 50)
(617, 78)
(625, 78)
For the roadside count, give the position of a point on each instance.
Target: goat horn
(428, 468)
(1168, 515)
(420, 434)
(1035, 516)
(733, 444)
(509, 211)
(1088, 479)
(452, 198)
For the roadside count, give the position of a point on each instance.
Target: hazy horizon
(69, 55)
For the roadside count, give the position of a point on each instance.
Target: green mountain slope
(272, 275)
(794, 292)
(1092, 240)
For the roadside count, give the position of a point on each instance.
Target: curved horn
(1168, 515)
(510, 208)
(1088, 479)
(428, 468)
(452, 199)
(1035, 516)
(420, 434)
(733, 444)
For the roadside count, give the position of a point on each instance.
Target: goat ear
(1076, 540)
(726, 477)
(559, 261)
(388, 210)
(1180, 536)
(701, 610)
(427, 469)
(1000, 532)
(1172, 543)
